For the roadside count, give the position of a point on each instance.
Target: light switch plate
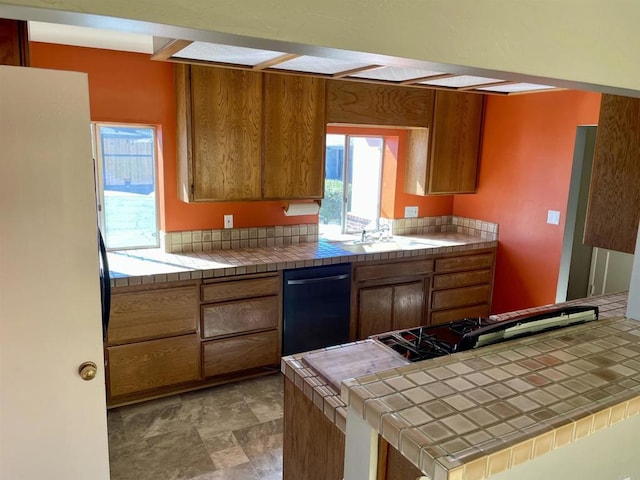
(228, 221)
(553, 217)
(410, 212)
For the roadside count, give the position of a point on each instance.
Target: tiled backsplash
(233, 238)
(443, 223)
(281, 235)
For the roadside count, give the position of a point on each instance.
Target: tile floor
(227, 432)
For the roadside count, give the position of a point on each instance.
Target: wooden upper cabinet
(445, 160)
(614, 197)
(219, 133)
(294, 136)
(14, 43)
(373, 104)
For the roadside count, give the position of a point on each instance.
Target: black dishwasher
(316, 307)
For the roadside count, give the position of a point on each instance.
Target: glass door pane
(364, 181)
(353, 177)
(332, 210)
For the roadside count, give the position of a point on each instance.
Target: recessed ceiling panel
(395, 74)
(211, 52)
(515, 88)
(326, 66)
(460, 81)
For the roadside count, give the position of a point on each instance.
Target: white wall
(610, 454)
(586, 41)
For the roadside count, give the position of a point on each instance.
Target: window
(125, 157)
(353, 177)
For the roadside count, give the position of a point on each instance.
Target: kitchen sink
(397, 243)
(356, 246)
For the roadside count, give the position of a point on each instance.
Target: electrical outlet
(410, 212)
(228, 221)
(553, 217)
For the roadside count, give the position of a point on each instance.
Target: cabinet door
(455, 148)
(375, 309)
(374, 104)
(143, 366)
(408, 305)
(219, 133)
(294, 136)
(614, 197)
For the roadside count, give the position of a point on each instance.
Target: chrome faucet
(384, 234)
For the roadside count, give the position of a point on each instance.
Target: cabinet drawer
(466, 262)
(240, 353)
(255, 287)
(462, 279)
(396, 269)
(157, 363)
(459, 297)
(240, 316)
(155, 313)
(445, 316)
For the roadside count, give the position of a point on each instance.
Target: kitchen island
(478, 413)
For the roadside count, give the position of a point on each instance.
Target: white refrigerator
(52, 422)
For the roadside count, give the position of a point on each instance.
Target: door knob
(88, 370)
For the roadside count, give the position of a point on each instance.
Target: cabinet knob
(88, 370)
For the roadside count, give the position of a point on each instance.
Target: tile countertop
(477, 413)
(133, 267)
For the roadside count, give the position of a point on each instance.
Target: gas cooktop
(422, 343)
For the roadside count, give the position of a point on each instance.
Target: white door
(610, 271)
(52, 423)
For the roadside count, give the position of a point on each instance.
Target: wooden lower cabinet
(390, 307)
(240, 329)
(146, 366)
(313, 447)
(170, 337)
(426, 291)
(462, 287)
(390, 296)
(239, 353)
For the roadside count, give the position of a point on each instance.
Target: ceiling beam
(170, 49)
(275, 61)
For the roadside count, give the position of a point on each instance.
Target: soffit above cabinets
(184, 51)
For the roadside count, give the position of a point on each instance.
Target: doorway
(353, 180)
(584, 270)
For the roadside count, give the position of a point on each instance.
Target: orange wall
(525, 169)
(129, 87)
(393, 197)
